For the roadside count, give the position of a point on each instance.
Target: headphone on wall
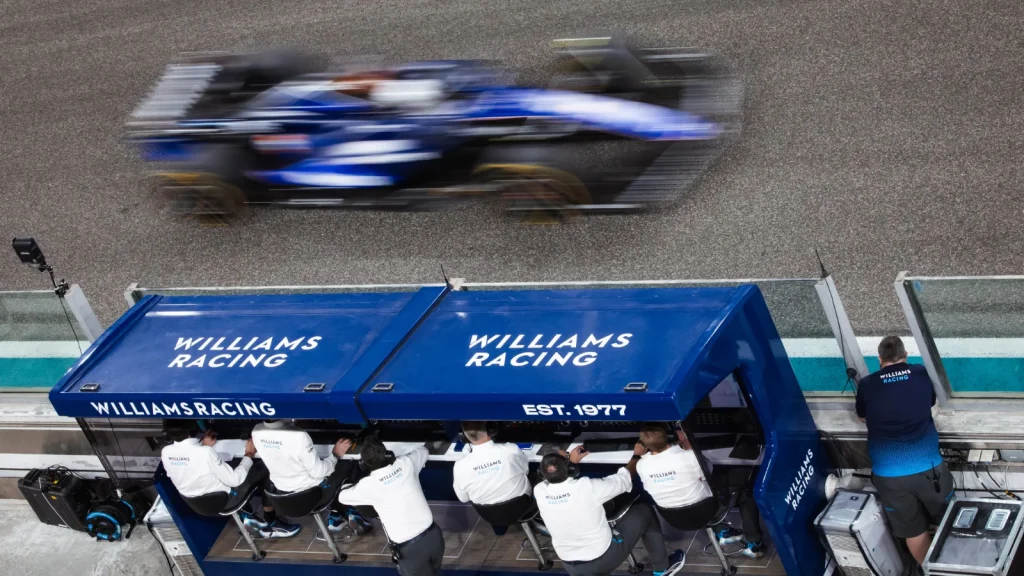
(572, 468)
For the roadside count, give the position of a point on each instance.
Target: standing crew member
(393, 489)
(492, 473)
(573, 511)
(294, 466)
(912, 480)
(196, 469)
(672, 475)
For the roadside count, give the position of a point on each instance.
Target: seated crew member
(393, 489)
(196, 469)
(673, 477)
(294, 466)
(573, 511)
(912, 480)
(492, 473)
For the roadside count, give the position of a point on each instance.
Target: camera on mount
(29, 252)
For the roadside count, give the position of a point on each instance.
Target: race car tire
(212, 190)
(201, 196)
(531, 183)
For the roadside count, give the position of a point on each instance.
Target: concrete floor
(31, 548)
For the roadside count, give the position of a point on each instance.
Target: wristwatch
(635, 457)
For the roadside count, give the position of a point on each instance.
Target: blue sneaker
(753, 550)
(253, 522)
(359, 523)
(728, 535)
(354, 521)
(336, 522)
(676, 561)
(280, 529)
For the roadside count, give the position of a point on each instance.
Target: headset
(490, 427)
(670, 432)
(389, 457)
(571, 467)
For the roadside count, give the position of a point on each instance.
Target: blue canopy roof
(552, 354)
(288, 356)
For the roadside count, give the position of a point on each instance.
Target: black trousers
(639, 523)
(258, 476)
(740, 479)
(422, 555)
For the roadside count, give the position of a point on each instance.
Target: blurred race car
(618, 129)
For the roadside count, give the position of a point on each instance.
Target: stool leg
(634, 566)
(542, 562)
(726, 568)
(338, 556)
(257, 554)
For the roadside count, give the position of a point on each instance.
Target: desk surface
(233, 448)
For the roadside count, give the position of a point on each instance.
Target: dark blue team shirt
(897, 403)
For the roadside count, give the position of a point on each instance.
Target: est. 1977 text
(577, 410)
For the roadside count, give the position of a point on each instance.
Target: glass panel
(39, 340)
(978, 328)
(798, 314)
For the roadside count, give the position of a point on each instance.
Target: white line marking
(948, 347)
(42, 349)
(466, 541)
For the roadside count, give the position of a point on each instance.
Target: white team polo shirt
(573, 512)
(491, 474)
(196, 470)
(290, 456)
(673, 478)
(395, 493)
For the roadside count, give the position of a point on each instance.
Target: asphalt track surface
(888, 134)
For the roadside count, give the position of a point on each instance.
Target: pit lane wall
(968, 331)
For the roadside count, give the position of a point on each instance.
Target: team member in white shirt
(294, 466)
(673, 477)
(492, 473)
(196, 469)
(573, 510)
(393, 489)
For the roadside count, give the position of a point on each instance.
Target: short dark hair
(891, 349)
(555, 468)
(474, 429)
(179, 430)
(654, 437)
(374, 453)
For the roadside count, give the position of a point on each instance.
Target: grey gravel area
(886, 134)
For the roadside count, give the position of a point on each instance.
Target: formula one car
(230, 130)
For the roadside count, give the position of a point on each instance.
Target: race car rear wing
(176, 92)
